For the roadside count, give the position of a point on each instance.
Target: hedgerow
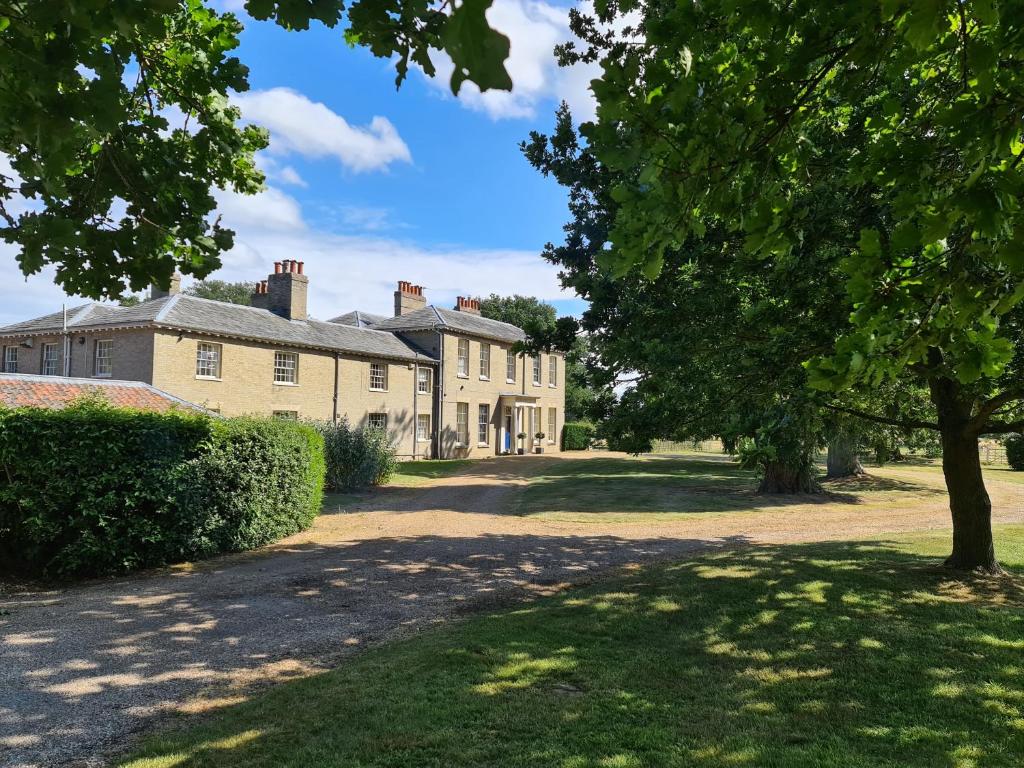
(356, 458)
(92, 489)
(577, 435)
(1015, 452)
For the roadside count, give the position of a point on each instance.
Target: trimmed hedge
(577, 435)
(356, 458)
(92, 489)
(1015, 452)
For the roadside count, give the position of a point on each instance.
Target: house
(444, 382)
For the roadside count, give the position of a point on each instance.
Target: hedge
(94, 490)
(577, 435)
(356, 458)
(1015, 452)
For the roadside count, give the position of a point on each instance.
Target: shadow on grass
(825, 655)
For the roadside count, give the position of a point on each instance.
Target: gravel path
(84, 669)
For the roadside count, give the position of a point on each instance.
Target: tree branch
(904, 423)
(989, 407)
(1001, 428)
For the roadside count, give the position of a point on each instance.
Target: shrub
(356, 458)
(1015, 452)
(92, 489)
(577, 435)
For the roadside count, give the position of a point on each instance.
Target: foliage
(222, 290)
(577, 435)
(356, 458)
(1015, 452)
(893, 668)
(117, 121)
(92, 489)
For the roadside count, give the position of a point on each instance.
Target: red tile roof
(17, 390)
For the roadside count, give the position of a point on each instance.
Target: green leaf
(478, 52)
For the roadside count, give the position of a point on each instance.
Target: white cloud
(300, 126)
(275, 171)
(346, 272)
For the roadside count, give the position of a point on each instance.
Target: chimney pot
(277, 267)
(408, 298)
(301, 263)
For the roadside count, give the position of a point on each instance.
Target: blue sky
(369, 185)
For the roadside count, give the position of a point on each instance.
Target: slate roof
(19, 389)
(359, 319)
(435, 318)
(190, 313)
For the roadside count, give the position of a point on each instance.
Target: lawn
(414, 473)
(850, 654)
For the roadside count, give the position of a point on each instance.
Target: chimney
(286, 290)
(408, 298)
(472, 306)
(261, 296)
(173, 287)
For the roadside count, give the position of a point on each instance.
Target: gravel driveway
(84, 669)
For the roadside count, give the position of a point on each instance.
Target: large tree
(223, 290)
(723, 114)
(116, 120)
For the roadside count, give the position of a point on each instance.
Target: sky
(369, 185)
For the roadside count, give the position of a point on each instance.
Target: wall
(474, 390)
(131, 353)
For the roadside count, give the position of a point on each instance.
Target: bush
(577, 435)
(1015, 452)
(92, 489)
(356, 458)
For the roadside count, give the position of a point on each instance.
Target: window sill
(285, 384)
(483, 445)
(552, 386)
(375, 389)
(209, 378)
(510, 381)
(485, 378)
(422, 439)
(536, 383)
(101, 375)
(462, 375)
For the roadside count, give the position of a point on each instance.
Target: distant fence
(689, 446)
(992, 453)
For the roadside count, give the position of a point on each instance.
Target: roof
(435, 318)
(359, 319)
(19, 390)
(191, 313)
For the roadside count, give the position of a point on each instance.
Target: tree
(911, 111)
(222, 290)
(538, 318)
(108, 184)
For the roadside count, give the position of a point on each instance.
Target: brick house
(443, 382)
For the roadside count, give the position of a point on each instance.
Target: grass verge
(849, 654)
(413, 473)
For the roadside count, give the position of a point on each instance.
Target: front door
(508, 429)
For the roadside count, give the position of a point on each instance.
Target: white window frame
(378, 377)
(378, 416)
(485, 361)
(49, 365)
(10, 360)
(106, 370)
(552, 370)
(462, 424)
(213, 351)
(286, 375)
(462, 369)
(552, 424)
(510, 366)
(422, 427)
(424, 376)
(483, 424)
(536, 370)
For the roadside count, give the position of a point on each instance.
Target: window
(207, 360)
(379, 377)
(552, 424)
(485, 361)
(423, 381)
(463, 357)
(286, 368)
(377, 421)
(482, 424)
(10, 359)
(102, 362)
(510, 366)
(423, 426)
(287, 415)
(49, 360)
(462, 423)
(536, 370)
(552, 370)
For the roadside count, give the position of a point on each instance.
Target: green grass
(419, 472)
(815, 656)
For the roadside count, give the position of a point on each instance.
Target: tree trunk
(969, 503)
(784, 478)
(843, 460)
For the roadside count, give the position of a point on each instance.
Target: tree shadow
(818, 655)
